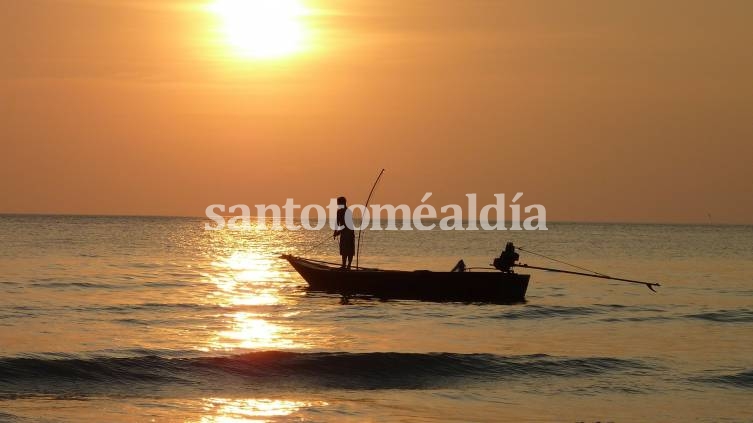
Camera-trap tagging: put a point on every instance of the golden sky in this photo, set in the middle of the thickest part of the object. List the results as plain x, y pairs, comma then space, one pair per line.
601, 110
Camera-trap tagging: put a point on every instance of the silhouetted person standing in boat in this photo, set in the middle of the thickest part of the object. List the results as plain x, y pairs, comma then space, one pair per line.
346, 233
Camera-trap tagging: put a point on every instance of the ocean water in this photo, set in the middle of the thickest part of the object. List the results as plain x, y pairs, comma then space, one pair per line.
134, 319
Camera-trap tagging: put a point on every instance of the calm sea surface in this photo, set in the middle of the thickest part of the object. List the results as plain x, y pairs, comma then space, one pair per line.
126, 319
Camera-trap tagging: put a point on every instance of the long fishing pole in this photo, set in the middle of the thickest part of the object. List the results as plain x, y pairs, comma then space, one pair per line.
559, 261
649, 285
365, 210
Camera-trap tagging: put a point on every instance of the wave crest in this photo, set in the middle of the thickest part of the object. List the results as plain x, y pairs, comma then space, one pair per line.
378, 370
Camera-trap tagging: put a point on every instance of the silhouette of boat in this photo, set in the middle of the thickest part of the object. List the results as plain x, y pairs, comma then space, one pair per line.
461, 284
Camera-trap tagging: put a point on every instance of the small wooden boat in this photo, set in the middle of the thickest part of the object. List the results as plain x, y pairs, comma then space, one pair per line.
502, 286
462, 284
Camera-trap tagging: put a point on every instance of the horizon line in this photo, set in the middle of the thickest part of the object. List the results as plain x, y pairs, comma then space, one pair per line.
167, 216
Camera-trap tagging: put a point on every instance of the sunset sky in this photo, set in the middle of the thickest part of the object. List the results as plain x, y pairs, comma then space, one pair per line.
601, 110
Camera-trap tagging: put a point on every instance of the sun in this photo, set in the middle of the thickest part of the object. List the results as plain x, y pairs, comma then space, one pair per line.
262, 29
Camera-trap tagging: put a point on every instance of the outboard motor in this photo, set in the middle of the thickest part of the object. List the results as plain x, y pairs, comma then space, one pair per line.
507, 259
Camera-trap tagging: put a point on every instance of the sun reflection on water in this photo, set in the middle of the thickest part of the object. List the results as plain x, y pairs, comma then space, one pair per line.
253, 289
252, 332
226, 410
248, 266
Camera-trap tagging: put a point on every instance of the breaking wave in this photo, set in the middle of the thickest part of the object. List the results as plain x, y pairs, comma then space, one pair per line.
337, 370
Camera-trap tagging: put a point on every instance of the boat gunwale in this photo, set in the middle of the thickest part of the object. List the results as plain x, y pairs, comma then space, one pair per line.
330, 266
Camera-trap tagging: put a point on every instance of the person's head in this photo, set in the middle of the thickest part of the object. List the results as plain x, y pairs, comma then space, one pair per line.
341, 202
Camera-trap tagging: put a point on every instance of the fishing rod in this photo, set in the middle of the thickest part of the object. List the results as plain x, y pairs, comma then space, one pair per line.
559, 261
365, 210
649, 285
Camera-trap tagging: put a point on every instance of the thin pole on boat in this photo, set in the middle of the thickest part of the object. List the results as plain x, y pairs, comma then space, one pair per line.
365, 210
649, 285
559, 261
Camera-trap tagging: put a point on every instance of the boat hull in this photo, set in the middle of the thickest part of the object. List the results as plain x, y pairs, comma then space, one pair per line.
494, 287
